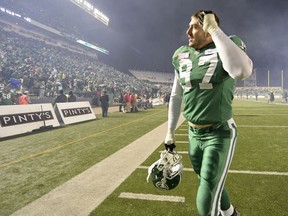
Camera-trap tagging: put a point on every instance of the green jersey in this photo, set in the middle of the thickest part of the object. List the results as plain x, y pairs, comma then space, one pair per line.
7, 98
207, 87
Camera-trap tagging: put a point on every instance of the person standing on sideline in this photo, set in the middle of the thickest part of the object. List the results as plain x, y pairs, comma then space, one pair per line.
24, 99
104, 99
127, 101
133, 100
167, 99
256, 95
284, 97
61, 98
121, 102
72, 97
206, 71
271, 97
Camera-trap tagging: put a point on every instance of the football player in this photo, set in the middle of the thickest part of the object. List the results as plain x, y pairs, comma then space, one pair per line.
206, 71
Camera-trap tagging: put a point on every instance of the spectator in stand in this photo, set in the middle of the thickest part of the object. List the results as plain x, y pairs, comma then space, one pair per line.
7, 97
72, 97
104, 99
24, 99
50, 68
42, 90
61, 98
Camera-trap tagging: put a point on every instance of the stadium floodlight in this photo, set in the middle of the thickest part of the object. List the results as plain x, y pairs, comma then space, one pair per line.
100, 49
92, 10
10, 12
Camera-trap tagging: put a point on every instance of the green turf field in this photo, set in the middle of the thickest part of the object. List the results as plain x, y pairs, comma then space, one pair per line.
33, 165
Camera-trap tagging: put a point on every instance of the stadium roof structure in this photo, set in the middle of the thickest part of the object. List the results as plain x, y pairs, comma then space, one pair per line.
152, 76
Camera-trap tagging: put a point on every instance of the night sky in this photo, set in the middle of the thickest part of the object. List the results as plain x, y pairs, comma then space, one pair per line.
143, 34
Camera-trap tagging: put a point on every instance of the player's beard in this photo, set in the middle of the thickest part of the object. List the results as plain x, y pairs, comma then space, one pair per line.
198, 41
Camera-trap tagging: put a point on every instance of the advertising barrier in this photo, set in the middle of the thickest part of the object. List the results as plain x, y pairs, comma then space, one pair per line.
73, 112
19, 119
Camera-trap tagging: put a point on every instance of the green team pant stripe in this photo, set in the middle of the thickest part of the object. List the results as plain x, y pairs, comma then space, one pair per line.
217, 197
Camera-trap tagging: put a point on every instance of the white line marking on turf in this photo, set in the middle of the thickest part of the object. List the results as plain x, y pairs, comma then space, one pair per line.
259, 172
152, 197
181, 142
239, 171
250, 172
182, 152
179, 152
263, 126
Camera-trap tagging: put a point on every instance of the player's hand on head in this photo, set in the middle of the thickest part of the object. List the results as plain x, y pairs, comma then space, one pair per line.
208, 22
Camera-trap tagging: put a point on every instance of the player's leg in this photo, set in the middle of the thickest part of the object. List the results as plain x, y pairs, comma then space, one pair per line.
211, 158
225, 200
196, 156
212, 178
225, 205
227, 209
195, 152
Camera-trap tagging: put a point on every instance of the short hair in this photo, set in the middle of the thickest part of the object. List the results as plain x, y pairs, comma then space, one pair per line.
197, 14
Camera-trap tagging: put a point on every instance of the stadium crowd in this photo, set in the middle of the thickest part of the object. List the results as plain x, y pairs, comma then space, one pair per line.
28, 64
34, 60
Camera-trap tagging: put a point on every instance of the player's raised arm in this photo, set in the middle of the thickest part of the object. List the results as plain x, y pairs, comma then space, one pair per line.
235, 60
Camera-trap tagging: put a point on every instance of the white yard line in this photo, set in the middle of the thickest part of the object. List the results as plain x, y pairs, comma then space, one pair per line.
152, 197
181, 142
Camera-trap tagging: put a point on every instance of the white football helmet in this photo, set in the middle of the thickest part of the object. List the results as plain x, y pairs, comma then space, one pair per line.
166, 172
